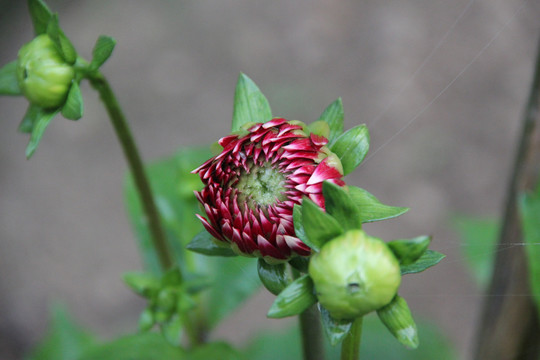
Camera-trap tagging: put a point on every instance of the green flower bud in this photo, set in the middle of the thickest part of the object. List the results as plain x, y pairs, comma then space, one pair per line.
43, 75
354, 274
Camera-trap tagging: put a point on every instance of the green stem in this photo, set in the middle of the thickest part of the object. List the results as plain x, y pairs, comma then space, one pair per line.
118, 120
350, 348
310, 329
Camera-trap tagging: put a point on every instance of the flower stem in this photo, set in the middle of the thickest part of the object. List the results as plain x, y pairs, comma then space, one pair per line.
350, 348
118, 120
310, 327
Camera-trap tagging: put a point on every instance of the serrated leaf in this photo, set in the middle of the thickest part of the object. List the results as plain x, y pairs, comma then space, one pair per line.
250, 105
102, 51
275, 278
338, 203
9, 85
352, 147
73, 108
397, 318
335, 330
428, 259
41, 120
372, 209
530, 214
333, 115
142, 346
407, 251
202, 243
143, 284
60, 40
294, 299
319, 226
40, 14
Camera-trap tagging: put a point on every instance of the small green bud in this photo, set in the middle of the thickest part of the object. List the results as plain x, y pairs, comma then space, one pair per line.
354, 274
43, 75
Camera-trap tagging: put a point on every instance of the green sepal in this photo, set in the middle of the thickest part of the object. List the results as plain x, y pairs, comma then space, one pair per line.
73, 108
300, 263
250, 105
102, 51
27, 123
143, 284
146, 320
173, 277
60, 40
40, 14
335, 330
172, 329
298, 224
338, 203
40, 120
352, 147
202, 243
333, 115
294, 299
9, 85
319, 226
407, 251
397, 318
371, 209
274, 277
428, 259
319, 127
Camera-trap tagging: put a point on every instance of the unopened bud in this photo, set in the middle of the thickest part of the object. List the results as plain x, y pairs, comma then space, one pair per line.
354, 274
43, 75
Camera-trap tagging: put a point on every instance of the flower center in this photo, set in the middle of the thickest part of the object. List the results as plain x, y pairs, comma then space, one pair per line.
261, 186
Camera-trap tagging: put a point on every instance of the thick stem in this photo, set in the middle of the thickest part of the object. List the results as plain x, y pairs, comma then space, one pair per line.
509, 326
350, 348
133, 158
311, 329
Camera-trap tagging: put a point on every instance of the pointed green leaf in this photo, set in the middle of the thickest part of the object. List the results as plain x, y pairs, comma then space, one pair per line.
250, 105
30, 117
143, 284
73, 107
275, 278
338, 203
8, 79
407, 251
335, 330
142, 346
102, 51
333, 115
146, 320
42, 118
64, 46
40, 14
530, 214
397, 318
65, 339
203, 243
172, 329
428, 259
298, 224
352, 147
370, 208
319, 226
294, 299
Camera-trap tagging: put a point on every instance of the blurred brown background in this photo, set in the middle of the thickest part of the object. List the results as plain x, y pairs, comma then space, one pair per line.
64, 235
